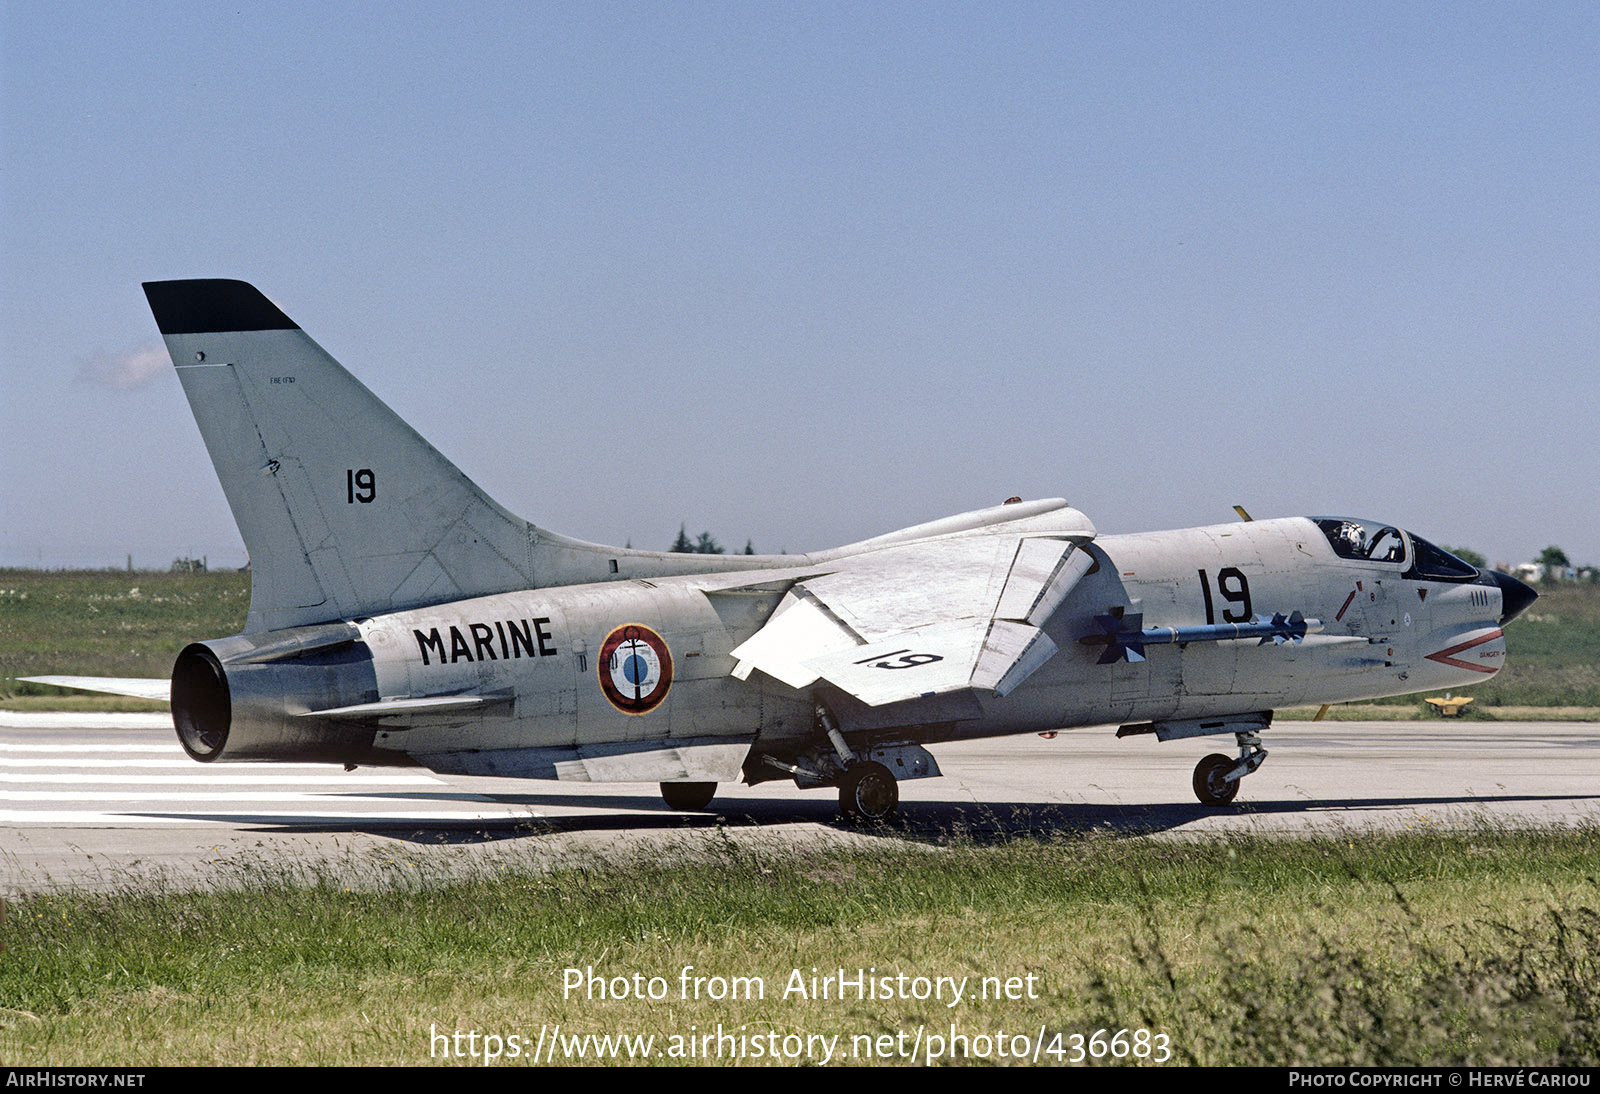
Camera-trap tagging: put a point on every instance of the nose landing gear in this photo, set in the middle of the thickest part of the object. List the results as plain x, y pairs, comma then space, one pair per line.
1216, 778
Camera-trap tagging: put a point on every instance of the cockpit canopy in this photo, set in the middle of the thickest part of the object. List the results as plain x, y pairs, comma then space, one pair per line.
1363, 540
1373, 541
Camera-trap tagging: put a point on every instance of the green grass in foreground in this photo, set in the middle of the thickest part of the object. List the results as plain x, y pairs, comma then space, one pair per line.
1419, 948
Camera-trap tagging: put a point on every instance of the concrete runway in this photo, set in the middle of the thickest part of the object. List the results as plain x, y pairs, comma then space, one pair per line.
110, 802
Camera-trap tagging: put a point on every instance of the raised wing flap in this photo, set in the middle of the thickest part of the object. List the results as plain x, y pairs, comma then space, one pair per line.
1045, 571
923, 619
1011, 652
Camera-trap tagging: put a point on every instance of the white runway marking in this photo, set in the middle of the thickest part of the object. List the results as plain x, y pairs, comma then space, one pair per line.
178, 761
69, 749
127, 771
150, 811
210, 779
17, 719
218, 816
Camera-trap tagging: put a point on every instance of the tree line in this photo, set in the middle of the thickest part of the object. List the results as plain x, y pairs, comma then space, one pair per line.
704, 544
1553, 561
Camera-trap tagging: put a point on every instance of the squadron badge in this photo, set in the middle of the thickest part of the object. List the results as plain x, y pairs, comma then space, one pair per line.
635, 668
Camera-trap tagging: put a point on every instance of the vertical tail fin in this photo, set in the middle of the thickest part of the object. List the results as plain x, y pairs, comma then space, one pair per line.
344, 508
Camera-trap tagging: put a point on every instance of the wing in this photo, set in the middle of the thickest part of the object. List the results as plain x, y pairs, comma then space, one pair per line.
928, 618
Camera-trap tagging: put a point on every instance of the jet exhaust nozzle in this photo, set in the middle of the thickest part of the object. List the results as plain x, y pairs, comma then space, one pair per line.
246, 697
202, 709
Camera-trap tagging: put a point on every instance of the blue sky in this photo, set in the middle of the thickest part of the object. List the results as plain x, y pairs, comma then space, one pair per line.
804, 273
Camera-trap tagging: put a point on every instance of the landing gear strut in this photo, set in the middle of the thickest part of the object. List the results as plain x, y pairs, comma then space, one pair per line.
1216, 778
869, 793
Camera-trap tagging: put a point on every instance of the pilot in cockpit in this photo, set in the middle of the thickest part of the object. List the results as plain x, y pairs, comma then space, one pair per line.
1353, 538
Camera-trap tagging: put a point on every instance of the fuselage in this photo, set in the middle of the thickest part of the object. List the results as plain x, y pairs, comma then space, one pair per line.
540, 664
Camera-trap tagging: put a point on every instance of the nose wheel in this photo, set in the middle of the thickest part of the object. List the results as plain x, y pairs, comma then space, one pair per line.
1211, 783
1216, 778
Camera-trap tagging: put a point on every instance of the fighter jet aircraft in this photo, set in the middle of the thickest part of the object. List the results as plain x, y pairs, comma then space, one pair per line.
398, 614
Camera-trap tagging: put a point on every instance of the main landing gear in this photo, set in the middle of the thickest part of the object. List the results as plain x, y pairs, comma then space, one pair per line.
868, 793
867, 776
688, 797
1216, 778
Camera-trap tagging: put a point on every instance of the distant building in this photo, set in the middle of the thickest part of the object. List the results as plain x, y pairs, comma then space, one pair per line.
1535, 572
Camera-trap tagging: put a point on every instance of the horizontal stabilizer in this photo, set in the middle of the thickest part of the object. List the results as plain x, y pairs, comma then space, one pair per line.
160, 690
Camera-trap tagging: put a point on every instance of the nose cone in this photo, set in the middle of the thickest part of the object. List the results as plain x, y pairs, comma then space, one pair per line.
1514, 596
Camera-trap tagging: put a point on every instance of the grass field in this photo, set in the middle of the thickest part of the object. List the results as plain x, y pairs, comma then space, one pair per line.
1481, 947
1553, 654
111, 623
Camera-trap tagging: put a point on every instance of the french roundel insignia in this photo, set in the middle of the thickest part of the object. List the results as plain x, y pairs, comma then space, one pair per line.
635, 668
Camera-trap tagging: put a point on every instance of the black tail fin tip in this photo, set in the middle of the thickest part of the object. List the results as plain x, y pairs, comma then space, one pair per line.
212, 305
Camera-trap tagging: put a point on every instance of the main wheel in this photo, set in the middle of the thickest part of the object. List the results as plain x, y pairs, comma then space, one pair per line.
688, 797
1210, 786
868, 794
